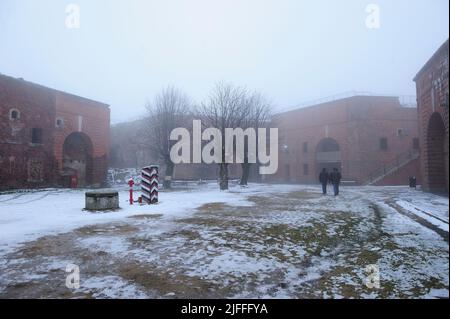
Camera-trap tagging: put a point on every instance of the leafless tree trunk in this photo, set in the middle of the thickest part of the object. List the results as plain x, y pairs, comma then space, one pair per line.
225, 108
167, 111
258, 116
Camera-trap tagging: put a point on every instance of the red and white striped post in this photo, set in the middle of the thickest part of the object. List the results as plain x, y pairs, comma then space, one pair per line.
149, 184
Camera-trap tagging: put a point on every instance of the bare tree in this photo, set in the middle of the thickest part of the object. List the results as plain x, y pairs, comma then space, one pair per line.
258, 116
225, 108
167, 111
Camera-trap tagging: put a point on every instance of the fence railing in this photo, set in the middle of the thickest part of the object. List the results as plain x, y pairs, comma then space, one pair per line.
392, 166
405, 100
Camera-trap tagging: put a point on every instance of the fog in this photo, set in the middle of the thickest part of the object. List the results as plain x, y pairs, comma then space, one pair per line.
124, 52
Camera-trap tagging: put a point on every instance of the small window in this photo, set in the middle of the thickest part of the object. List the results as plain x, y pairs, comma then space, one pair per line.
305, 169
416, 143
402, 132
14, 114
305, 147
36, 136
59, 123
383, 143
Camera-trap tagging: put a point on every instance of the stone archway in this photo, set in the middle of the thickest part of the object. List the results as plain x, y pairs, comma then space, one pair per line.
77, 158
436, 162
328, 155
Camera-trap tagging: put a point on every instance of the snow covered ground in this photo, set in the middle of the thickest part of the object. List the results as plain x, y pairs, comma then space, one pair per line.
264, 241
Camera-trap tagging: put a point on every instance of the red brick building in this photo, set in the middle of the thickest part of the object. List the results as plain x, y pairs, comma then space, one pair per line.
48, 136
371, 139
433, 104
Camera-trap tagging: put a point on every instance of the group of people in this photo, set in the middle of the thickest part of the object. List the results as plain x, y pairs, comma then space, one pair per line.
333, 178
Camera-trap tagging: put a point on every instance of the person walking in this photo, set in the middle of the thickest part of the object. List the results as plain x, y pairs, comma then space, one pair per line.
336, 177
323, 179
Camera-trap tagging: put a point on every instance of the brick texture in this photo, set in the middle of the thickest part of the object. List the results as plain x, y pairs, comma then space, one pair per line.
357, 124
27, 165
432, 98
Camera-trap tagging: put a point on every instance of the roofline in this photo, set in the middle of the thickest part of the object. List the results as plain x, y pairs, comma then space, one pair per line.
438, 51
21, 80
337, 100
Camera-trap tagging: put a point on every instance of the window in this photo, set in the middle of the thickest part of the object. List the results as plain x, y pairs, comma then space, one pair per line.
36, 136
59, 123
305, 169
305, 147
402, 132
416, 143
14, 114
383, 143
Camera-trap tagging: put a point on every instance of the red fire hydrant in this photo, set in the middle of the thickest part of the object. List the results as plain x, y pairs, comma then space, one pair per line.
73, 181
131, 183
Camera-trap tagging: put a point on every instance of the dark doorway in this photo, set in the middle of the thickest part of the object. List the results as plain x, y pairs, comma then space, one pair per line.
328, 155
77, 158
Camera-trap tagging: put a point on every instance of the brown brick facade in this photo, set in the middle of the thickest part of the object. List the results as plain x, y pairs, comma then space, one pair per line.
35, 125
346, 134
432, 98
356, 125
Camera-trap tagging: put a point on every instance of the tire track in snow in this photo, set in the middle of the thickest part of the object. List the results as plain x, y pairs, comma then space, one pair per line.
416, 218
8, 201
12, 198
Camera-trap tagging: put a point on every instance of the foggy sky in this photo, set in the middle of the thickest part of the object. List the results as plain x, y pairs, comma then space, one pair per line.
291, 50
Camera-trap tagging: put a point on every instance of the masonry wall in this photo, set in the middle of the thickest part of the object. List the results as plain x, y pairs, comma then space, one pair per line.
369, 120
89, 118
356, 124
309, 125
432, 97
401, 177
24, 164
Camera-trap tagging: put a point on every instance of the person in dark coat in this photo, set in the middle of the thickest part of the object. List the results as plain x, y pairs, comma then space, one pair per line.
323, 179
335, 177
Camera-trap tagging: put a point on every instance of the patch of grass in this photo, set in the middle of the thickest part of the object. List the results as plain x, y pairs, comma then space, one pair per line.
120, 229
221, 210
142, 242
211, 222
427, 284
164, 282
390, 246
213, 207
189, 234
303, 195
146, 216
312, 238
44, 246
367, 257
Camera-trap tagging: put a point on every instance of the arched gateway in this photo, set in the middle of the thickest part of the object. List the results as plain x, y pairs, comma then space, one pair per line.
328, 155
